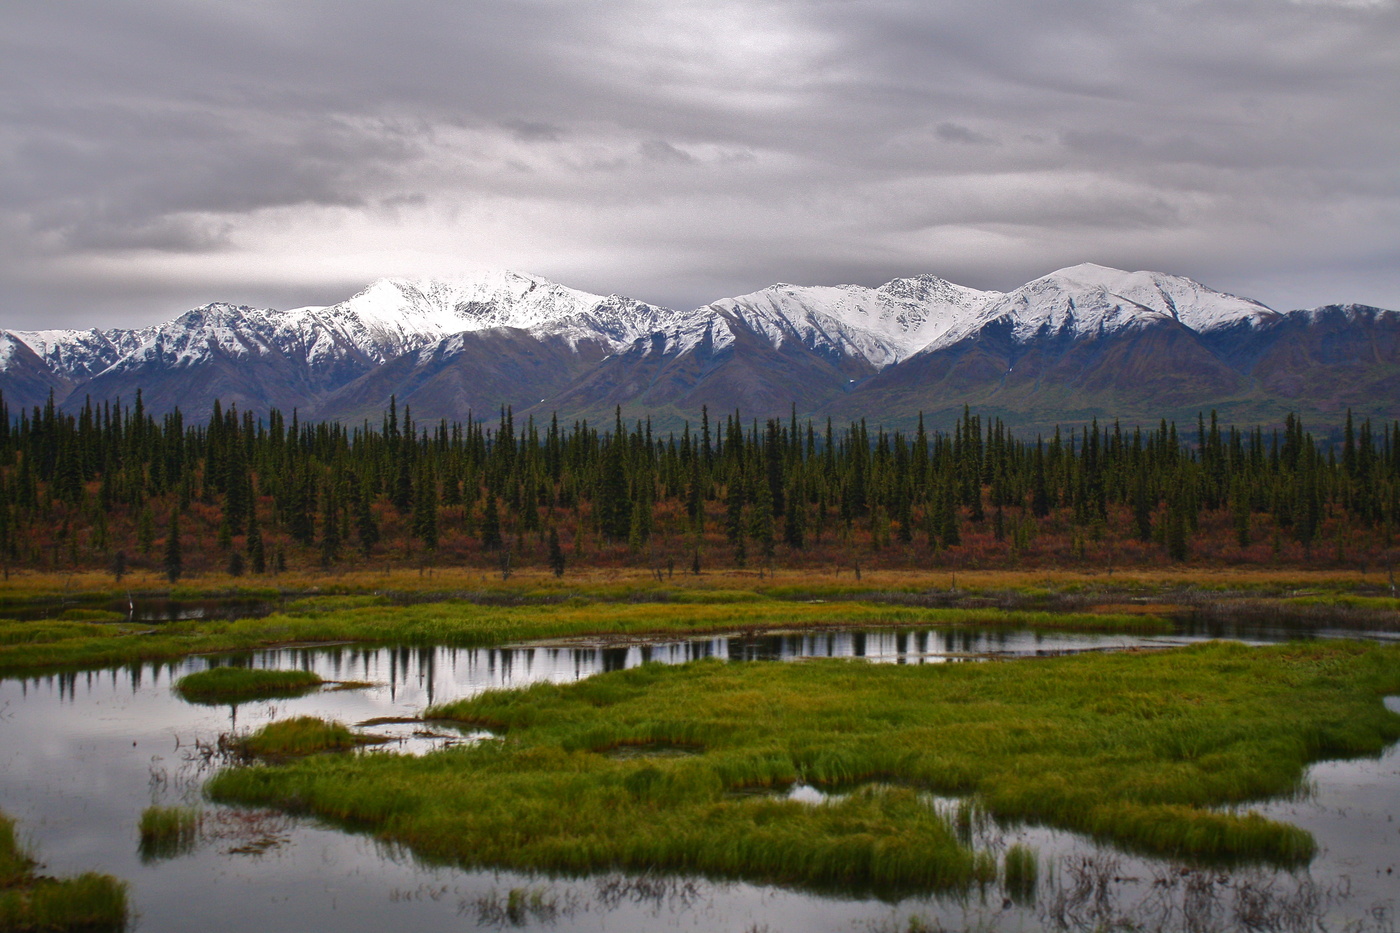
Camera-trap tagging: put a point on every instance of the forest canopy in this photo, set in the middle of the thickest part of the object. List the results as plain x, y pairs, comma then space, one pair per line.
113, 487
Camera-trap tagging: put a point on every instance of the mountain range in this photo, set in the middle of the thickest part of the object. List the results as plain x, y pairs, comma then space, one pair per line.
1082, 342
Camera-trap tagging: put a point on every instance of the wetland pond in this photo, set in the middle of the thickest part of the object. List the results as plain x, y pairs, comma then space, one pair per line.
83, 754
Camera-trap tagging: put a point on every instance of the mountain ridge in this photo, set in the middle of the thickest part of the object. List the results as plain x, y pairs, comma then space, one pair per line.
1093, 336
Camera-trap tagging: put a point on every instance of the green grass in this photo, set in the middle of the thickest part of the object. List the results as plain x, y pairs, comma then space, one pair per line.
474, 624
48, 632
1346, 600
1020, 870
303, 735
169, 831
92, 615
220, 685
1141, 750
31, 902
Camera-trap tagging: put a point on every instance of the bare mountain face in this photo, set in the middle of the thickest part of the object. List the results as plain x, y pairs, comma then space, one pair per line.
1086, 341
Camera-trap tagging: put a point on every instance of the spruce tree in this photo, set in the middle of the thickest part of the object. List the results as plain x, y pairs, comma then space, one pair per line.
366, 528
330, 526
257, 558
949, 533
795, 519
761, 519
1240, 509
425, 509
734, 511
639, 529
556, 553
172, 563
490, 525
146, 530
614, 505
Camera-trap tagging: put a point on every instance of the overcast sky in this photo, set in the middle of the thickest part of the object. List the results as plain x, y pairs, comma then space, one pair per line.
155, 156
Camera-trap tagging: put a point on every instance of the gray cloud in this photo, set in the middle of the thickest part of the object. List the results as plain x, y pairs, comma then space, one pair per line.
957, 133
658, 150
154, 153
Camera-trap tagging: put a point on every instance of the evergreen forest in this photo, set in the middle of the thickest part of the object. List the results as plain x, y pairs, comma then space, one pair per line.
114, 488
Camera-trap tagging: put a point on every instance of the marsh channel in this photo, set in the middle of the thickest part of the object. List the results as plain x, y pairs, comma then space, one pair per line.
82, 754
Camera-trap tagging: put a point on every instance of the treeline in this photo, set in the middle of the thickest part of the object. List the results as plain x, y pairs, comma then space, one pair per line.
112, 486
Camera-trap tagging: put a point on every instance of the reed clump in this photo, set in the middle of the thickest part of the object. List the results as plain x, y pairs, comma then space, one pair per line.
169, 831
1145, 750
220, 685
32, 902
1020, 872
303, 735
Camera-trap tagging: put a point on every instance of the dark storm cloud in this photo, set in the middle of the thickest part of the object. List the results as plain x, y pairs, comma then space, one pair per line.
284, 153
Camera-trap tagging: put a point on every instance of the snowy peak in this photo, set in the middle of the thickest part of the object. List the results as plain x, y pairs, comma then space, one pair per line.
77, 354
1090, 300
9, 346
1350, 313
305, 356
1100, 297
396, 316
881, 325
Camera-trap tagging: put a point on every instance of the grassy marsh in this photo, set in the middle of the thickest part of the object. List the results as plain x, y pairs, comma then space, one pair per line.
1142, 750
33, 902
369, 619
464, 608
220, 685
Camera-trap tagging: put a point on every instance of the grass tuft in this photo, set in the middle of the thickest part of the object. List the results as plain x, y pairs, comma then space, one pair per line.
220, 685
1020, 870
31, 902
304, 735
169, 831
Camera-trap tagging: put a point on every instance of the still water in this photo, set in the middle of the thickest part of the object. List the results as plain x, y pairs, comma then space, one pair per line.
81, 755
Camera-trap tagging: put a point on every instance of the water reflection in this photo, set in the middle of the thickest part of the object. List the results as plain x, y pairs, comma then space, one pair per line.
82, 754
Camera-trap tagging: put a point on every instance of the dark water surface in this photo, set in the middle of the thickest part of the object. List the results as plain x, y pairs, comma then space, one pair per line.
82, 754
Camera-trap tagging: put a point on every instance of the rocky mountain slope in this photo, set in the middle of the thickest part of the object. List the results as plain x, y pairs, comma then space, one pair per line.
1086, 341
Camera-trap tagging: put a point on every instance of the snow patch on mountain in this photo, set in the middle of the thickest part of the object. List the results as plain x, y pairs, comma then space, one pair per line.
389, 318
7, 349
77, 354
881, 325
202, 333
1090, 300
1350, 312
395, 316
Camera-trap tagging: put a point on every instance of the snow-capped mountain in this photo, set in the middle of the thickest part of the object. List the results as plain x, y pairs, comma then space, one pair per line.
397, 316
78, 354
1091, 300
1082, 338
880, 325
886, 325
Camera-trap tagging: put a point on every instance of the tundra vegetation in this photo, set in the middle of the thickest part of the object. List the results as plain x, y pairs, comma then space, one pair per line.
1159, 752
33, 902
